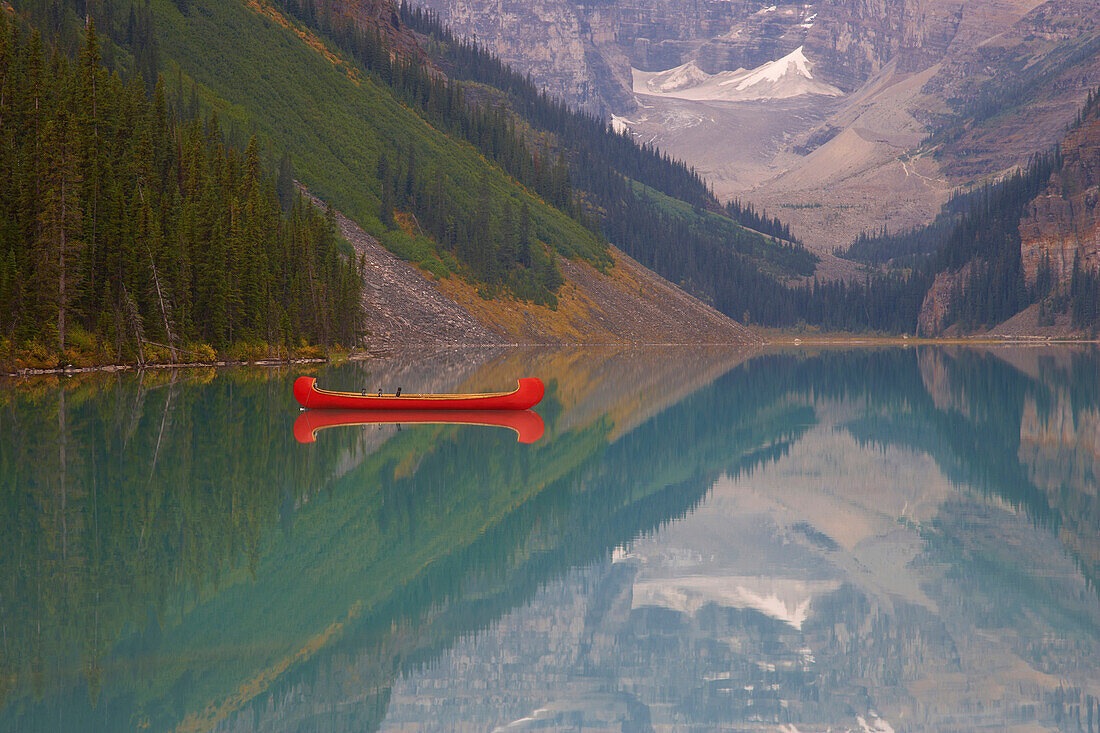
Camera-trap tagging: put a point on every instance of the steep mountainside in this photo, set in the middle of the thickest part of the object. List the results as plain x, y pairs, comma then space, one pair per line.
1014, 93
346, 96
628, 304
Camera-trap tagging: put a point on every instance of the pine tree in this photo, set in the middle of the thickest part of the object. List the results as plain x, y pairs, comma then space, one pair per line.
59, 239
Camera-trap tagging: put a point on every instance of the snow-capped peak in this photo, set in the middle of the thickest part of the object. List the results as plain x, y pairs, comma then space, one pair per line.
790, 76
794, 64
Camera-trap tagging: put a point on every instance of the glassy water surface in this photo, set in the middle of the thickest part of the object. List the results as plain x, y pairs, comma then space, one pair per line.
871, 540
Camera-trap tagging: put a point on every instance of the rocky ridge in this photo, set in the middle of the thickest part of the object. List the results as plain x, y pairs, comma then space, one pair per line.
1062, 226
939, 299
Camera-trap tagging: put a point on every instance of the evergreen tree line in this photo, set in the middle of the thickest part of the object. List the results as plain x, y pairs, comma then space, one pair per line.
728, 272
898, 249
747, 215
981, 228
123, 226
1084, 297
909, 248
128, 23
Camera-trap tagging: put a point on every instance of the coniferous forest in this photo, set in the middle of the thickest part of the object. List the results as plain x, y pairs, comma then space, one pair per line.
129, 232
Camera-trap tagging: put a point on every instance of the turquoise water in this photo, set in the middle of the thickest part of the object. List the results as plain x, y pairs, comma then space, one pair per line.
893, 539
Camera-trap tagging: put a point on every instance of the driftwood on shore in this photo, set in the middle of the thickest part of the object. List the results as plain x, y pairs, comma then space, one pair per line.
69, 369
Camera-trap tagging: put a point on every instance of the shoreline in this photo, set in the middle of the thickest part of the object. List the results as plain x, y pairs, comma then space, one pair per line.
853, 340
768, 342
114, 368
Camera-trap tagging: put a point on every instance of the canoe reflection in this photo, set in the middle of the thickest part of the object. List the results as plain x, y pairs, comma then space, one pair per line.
528, 425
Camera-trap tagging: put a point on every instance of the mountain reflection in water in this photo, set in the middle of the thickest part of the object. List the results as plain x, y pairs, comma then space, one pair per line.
859, 539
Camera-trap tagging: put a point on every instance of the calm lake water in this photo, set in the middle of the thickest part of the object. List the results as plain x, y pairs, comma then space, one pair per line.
870, 540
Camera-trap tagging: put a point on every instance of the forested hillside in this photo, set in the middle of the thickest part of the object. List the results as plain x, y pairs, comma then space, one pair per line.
128, 231
343, 129
424, 149
656, 209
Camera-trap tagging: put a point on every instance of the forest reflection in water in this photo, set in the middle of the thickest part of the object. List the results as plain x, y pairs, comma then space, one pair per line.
895, 537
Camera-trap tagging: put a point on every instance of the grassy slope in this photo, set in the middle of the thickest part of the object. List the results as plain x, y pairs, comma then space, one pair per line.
334, 126
778, 260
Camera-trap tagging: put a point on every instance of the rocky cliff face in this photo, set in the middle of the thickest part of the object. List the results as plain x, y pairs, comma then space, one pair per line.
855, 40
1017, 88
582, 51
1062, 225
938, 300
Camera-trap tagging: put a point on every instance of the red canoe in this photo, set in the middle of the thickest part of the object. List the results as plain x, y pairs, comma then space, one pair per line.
527, 395
528, 425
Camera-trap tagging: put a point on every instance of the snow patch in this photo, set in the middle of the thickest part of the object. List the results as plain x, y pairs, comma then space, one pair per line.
620, 124
790, 76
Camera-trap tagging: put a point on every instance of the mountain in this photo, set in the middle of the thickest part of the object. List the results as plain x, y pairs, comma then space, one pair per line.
477, 207
519, 218
937, 94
